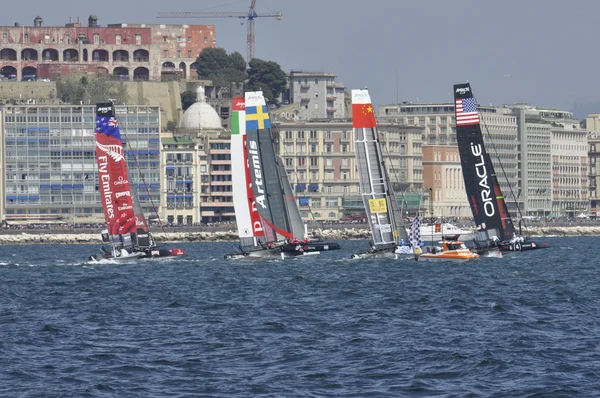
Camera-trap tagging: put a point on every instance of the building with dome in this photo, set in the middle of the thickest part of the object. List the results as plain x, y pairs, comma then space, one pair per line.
197, 172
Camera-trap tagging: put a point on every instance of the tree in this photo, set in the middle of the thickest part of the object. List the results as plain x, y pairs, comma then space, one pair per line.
187, 99
222, 69
268, 77
77, 88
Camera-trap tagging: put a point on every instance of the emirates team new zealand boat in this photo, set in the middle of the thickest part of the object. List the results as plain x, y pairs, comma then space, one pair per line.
127, 233
384, 216
267, 216
495, 227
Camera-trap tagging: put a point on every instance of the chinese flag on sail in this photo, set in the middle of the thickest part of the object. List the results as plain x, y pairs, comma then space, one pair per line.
363, 116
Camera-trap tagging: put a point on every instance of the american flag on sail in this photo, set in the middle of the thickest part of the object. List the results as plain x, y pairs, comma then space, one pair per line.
466, 112
415, 232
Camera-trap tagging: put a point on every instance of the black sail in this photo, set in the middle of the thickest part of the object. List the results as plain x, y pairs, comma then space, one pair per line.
481, 184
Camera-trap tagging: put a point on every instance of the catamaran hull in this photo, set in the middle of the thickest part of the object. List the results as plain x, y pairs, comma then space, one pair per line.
523, 246
150, 253
286, 251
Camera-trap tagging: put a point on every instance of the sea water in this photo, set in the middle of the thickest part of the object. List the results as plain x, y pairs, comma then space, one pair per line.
322, 326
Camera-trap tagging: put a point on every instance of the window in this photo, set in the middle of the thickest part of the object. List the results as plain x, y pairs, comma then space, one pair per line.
328, 148
344, 148
189, 39
26, 38
118, 39
314, 161
329, 162
166, 53
96, 38
178, 53
289, 135
331, 203
179, 39
138, 39
189, 53
165, 39
301, 134
4, 37
205, 39
289, 162
313, 148
68, 39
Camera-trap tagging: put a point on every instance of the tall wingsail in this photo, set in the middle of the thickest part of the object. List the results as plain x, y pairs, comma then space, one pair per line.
112, 170
269, 195
296, 223
483, 191
374, 184
246, 214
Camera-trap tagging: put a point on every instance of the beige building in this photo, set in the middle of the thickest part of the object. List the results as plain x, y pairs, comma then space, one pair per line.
198, 167
320, 162
442, 176
592, 125
2, 171
570, 195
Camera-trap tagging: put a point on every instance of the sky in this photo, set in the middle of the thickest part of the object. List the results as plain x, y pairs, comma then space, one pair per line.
542, 52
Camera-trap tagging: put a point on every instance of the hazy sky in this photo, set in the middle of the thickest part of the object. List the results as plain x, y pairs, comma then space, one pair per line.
545, 52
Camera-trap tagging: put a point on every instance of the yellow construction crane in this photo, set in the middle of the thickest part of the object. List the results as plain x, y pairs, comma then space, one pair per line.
250, 16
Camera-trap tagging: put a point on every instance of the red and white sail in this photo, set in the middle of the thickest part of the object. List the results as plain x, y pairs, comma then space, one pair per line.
112, 172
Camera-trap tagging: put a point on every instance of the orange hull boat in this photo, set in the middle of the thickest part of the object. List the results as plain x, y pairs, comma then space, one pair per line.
450, 251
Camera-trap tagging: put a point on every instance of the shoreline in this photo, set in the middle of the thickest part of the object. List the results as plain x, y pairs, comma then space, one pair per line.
20, 237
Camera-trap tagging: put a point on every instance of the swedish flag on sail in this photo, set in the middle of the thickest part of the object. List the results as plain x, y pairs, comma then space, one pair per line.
257, 118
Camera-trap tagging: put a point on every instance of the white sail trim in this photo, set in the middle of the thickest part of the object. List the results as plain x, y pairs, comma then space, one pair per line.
113, 151
361, 97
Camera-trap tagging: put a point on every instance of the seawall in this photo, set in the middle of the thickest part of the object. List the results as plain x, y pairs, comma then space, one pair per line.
17, 237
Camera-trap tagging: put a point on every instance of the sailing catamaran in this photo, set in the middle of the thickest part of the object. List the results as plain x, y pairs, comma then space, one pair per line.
127, 230
267, 216
495, 228
383, 214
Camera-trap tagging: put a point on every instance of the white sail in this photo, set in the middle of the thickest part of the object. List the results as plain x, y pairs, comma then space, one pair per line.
238, 178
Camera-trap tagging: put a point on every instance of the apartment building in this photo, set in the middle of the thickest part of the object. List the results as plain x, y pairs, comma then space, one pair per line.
442, 175
127, 51
318, 94
499, 129
320, 162
592, 126
50, 162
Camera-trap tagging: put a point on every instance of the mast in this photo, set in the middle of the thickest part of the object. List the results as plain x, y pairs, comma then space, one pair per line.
481, 184
115, 191
246, 214
268, 191
374, 184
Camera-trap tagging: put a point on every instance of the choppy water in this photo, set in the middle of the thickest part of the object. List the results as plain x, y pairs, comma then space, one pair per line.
526, 325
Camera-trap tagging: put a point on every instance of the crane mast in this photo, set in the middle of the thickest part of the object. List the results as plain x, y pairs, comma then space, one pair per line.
250, 16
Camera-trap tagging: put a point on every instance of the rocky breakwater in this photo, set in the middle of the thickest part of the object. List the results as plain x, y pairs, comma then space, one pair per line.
18, 237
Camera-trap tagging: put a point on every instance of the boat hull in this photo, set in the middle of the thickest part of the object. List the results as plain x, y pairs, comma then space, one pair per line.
523, 246
287, 250
458, 257
149, 253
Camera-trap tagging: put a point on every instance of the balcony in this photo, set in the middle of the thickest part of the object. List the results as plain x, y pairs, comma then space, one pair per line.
331, 98
331, 110
304, 85
330, 84
314, 167
304, 100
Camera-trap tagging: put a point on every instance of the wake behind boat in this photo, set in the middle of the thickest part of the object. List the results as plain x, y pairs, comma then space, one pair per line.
267, 216
495, 229
127, 235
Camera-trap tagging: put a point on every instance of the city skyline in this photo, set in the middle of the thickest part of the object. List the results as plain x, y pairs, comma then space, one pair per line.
520, 52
